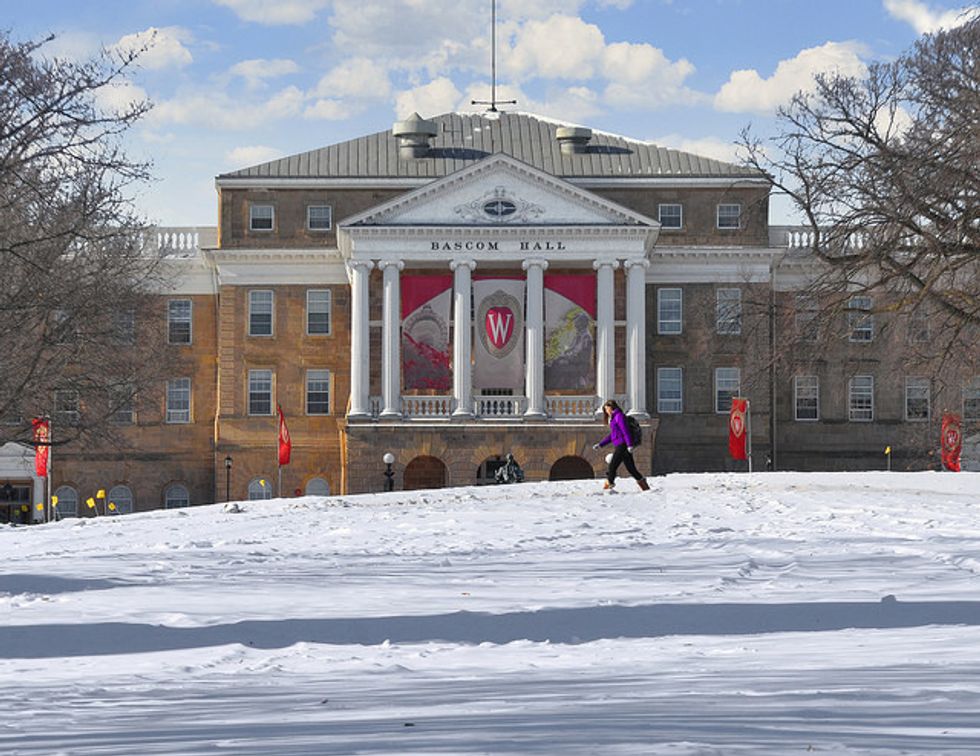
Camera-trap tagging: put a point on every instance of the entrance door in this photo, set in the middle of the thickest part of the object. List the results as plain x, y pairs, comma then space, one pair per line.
425, 472
14, 496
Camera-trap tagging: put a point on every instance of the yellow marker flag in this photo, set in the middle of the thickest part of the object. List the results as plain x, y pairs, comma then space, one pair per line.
91, 502
24, 507
100, 494
40, 507
112, 506
262, 483
888, 450
54, 501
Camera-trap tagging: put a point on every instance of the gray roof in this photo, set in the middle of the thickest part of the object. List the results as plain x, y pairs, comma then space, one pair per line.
466, 138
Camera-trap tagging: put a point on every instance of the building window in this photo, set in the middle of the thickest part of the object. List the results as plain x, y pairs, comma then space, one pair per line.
729, 216
317, 487
861, 399
66, 406
971, 400
260, 312
260, 392
670, 390
318, 312
121, 405
806, 397
259, 489
179, 321
67, 504
916, 399
860, 320
807, 312
63, 329
176, 496
261, 217
318, 217
179, 400
120, 500
670, 309
919, 330
728, 311
727, 386
670, 215
317, 392
124, 326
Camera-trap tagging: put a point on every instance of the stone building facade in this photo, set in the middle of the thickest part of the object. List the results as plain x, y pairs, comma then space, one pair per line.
295, 300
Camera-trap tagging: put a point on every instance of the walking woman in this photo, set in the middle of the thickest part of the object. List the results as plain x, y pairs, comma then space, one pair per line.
619, 437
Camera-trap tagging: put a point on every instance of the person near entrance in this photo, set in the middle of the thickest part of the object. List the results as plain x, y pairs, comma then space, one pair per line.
622, 440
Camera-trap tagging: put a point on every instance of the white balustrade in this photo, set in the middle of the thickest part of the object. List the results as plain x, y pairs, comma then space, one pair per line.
427, 406
499, 406
571, 407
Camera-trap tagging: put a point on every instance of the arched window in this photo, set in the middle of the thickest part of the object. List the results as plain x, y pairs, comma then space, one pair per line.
259, 488
122, 497
176, 496
317, 487
67, 505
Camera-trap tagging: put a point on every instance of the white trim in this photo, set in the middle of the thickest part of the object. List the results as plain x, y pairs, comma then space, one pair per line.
306, 392
661, 205
272, 314
718, 208
850, 398
388, 182
251, 218
660, 320
190, 322
272, 392
329, 224
329, 331
660, 409
928, 387
796, 398
738, 387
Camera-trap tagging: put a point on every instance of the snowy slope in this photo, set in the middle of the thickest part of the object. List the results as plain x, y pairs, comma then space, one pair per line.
766, 614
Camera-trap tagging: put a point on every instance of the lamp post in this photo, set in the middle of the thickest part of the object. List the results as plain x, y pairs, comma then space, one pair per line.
389, 460
227, 478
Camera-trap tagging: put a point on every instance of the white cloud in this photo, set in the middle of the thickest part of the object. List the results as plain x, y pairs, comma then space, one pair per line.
924, 19
255, 72
119, 96
218, 110
275, 12
157, 48
709, 147
327, 109
746, 91
560, 47
359, 78
72, 45
641, 76
252, 155
438, 96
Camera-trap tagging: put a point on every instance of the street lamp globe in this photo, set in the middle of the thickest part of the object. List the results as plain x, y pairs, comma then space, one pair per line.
388, 458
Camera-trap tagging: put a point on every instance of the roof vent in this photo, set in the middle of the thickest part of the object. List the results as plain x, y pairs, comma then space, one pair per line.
413, 136
572, 139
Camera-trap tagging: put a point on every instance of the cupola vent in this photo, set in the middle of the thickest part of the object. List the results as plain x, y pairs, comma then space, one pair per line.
572, 139
413, 135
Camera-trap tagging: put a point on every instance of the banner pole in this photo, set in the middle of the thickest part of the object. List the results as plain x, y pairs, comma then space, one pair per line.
48, 513
748, 430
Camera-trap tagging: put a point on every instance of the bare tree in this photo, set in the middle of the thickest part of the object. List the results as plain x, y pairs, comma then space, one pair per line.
885, 171
74, 271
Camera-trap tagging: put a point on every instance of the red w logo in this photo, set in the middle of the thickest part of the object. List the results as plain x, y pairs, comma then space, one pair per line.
499, 325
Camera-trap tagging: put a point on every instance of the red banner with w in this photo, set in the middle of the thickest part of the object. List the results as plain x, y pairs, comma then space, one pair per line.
42, 437
736, 428
952, 441
285, 443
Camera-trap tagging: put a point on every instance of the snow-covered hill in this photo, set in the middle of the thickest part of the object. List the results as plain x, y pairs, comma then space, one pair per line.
716, 614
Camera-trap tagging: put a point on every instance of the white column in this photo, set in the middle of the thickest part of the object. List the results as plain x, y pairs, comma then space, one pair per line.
605, 331
636, 380
360, 338
534, 339
391, 373
462, 338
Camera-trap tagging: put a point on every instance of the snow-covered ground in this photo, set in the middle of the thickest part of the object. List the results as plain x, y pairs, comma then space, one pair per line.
717, 614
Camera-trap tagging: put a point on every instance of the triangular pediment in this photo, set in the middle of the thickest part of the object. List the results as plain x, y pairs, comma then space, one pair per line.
499, 191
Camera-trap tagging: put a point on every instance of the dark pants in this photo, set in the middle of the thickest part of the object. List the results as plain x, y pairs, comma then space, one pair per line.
621, 455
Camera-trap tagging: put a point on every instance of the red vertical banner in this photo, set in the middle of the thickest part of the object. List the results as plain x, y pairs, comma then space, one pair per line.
42, 437
952, 441
736, 428
426, 307
285, 443
569, 331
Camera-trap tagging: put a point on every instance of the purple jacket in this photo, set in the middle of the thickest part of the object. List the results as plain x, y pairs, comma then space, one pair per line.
619, 432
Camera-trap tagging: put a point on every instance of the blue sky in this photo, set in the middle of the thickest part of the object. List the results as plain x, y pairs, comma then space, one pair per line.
238, 82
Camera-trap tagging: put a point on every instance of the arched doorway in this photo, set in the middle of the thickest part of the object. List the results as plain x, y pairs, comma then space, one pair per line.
424, 472
571, 468
486, 472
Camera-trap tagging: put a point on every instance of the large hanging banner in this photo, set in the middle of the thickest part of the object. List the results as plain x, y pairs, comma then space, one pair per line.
498, 343
426, 306
569, 331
